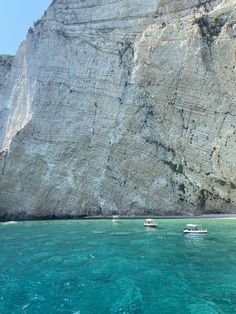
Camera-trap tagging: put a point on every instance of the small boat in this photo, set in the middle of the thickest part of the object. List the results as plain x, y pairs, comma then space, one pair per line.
190, 228
150, 223
115, 218
12, 222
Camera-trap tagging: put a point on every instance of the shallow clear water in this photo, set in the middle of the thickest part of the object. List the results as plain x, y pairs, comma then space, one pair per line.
96, 266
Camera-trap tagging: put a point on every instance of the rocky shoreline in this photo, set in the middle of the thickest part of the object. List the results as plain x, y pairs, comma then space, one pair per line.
211, 216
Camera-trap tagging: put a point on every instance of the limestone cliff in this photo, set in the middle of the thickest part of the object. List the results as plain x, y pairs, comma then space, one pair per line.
123, 107
5, 66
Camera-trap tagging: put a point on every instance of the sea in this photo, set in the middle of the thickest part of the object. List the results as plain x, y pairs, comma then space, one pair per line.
98, 266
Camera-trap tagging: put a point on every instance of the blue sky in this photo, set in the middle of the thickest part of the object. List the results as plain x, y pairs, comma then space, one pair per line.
16, 16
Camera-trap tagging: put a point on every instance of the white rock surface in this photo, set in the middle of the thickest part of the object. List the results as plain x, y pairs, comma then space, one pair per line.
121, 107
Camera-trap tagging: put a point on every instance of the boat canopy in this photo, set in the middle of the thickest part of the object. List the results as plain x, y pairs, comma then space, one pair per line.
191, 225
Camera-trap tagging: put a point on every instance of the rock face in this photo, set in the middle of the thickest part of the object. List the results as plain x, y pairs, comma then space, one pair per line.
122, 107
5, 66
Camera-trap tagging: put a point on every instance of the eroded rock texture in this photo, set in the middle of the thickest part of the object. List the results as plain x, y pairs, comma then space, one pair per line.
5, 66
122, 107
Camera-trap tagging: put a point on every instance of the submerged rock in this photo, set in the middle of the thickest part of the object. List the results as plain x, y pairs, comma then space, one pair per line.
121, 107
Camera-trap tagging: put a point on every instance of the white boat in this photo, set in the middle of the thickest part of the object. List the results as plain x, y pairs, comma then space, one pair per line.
191, 228
150, 223
115, 218
12, 222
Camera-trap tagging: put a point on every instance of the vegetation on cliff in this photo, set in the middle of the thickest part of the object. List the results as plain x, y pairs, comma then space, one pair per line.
6, 60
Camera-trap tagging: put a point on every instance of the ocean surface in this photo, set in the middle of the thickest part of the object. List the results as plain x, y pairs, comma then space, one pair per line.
96, 266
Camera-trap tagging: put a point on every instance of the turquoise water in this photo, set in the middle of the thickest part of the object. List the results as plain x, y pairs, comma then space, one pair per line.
96, 266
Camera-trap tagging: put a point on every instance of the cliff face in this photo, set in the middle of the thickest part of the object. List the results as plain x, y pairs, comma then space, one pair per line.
5, 66
121, 106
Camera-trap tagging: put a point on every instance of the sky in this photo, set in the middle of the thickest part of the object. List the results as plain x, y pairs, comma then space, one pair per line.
16, 17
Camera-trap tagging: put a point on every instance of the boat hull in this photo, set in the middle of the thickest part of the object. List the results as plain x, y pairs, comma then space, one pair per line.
195, 231
150, 226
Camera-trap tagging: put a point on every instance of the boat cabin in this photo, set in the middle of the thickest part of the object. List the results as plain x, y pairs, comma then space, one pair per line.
115, 218
192, 228
150, 223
